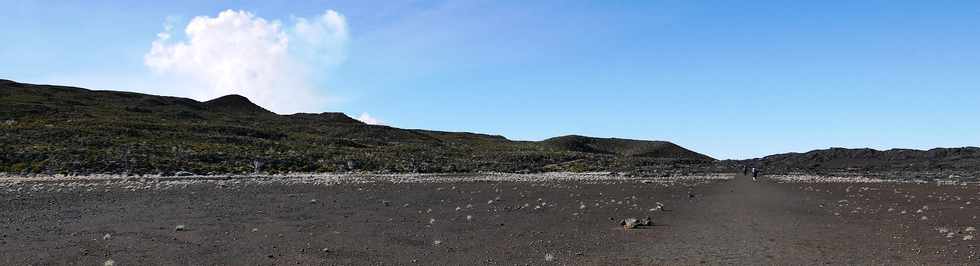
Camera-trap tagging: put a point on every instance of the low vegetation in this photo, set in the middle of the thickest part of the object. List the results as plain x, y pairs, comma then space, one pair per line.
961, 164
65, 130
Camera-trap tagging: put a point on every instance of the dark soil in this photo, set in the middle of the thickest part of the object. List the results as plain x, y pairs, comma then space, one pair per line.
738, 221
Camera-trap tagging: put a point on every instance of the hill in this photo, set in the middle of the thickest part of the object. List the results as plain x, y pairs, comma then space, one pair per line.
938, 162
67, 130
236, 104
623, 147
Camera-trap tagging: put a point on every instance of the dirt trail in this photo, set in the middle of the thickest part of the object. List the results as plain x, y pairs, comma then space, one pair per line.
747, 222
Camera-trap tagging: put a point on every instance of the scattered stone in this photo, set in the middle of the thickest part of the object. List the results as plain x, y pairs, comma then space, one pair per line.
106, 237
109, 262
549, 257
968, 237
255, 230
180, 227
437, 242
631, 223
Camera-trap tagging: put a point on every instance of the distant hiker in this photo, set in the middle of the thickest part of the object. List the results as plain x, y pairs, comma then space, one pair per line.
755, 174
745, 170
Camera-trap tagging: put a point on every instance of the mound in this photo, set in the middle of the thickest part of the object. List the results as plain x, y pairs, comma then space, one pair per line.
333, 118
623, 147
235, 103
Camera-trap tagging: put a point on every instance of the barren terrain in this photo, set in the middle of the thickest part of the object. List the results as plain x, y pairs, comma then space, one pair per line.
483, 219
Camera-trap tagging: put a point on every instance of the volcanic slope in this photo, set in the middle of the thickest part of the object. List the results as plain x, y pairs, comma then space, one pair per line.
938, 162
67, 130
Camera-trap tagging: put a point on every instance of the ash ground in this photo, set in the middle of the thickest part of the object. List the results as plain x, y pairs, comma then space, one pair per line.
574, 222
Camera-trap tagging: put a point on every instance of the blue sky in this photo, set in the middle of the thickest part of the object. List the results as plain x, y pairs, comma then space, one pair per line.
730, 79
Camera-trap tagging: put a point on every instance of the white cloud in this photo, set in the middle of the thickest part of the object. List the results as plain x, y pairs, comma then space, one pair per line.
238, 52
368, 119
323, 39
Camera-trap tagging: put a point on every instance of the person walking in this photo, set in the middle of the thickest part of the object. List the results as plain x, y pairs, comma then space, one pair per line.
755, 174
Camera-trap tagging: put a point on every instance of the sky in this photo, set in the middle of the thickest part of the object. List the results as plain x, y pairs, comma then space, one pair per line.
730, 79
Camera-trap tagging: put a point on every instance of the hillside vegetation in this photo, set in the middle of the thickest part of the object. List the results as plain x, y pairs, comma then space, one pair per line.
67, 130
895, 163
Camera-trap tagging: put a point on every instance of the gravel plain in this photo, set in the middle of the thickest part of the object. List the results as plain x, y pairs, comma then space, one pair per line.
439, 219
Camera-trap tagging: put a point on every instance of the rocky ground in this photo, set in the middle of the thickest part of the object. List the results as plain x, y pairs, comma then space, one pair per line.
483, 219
